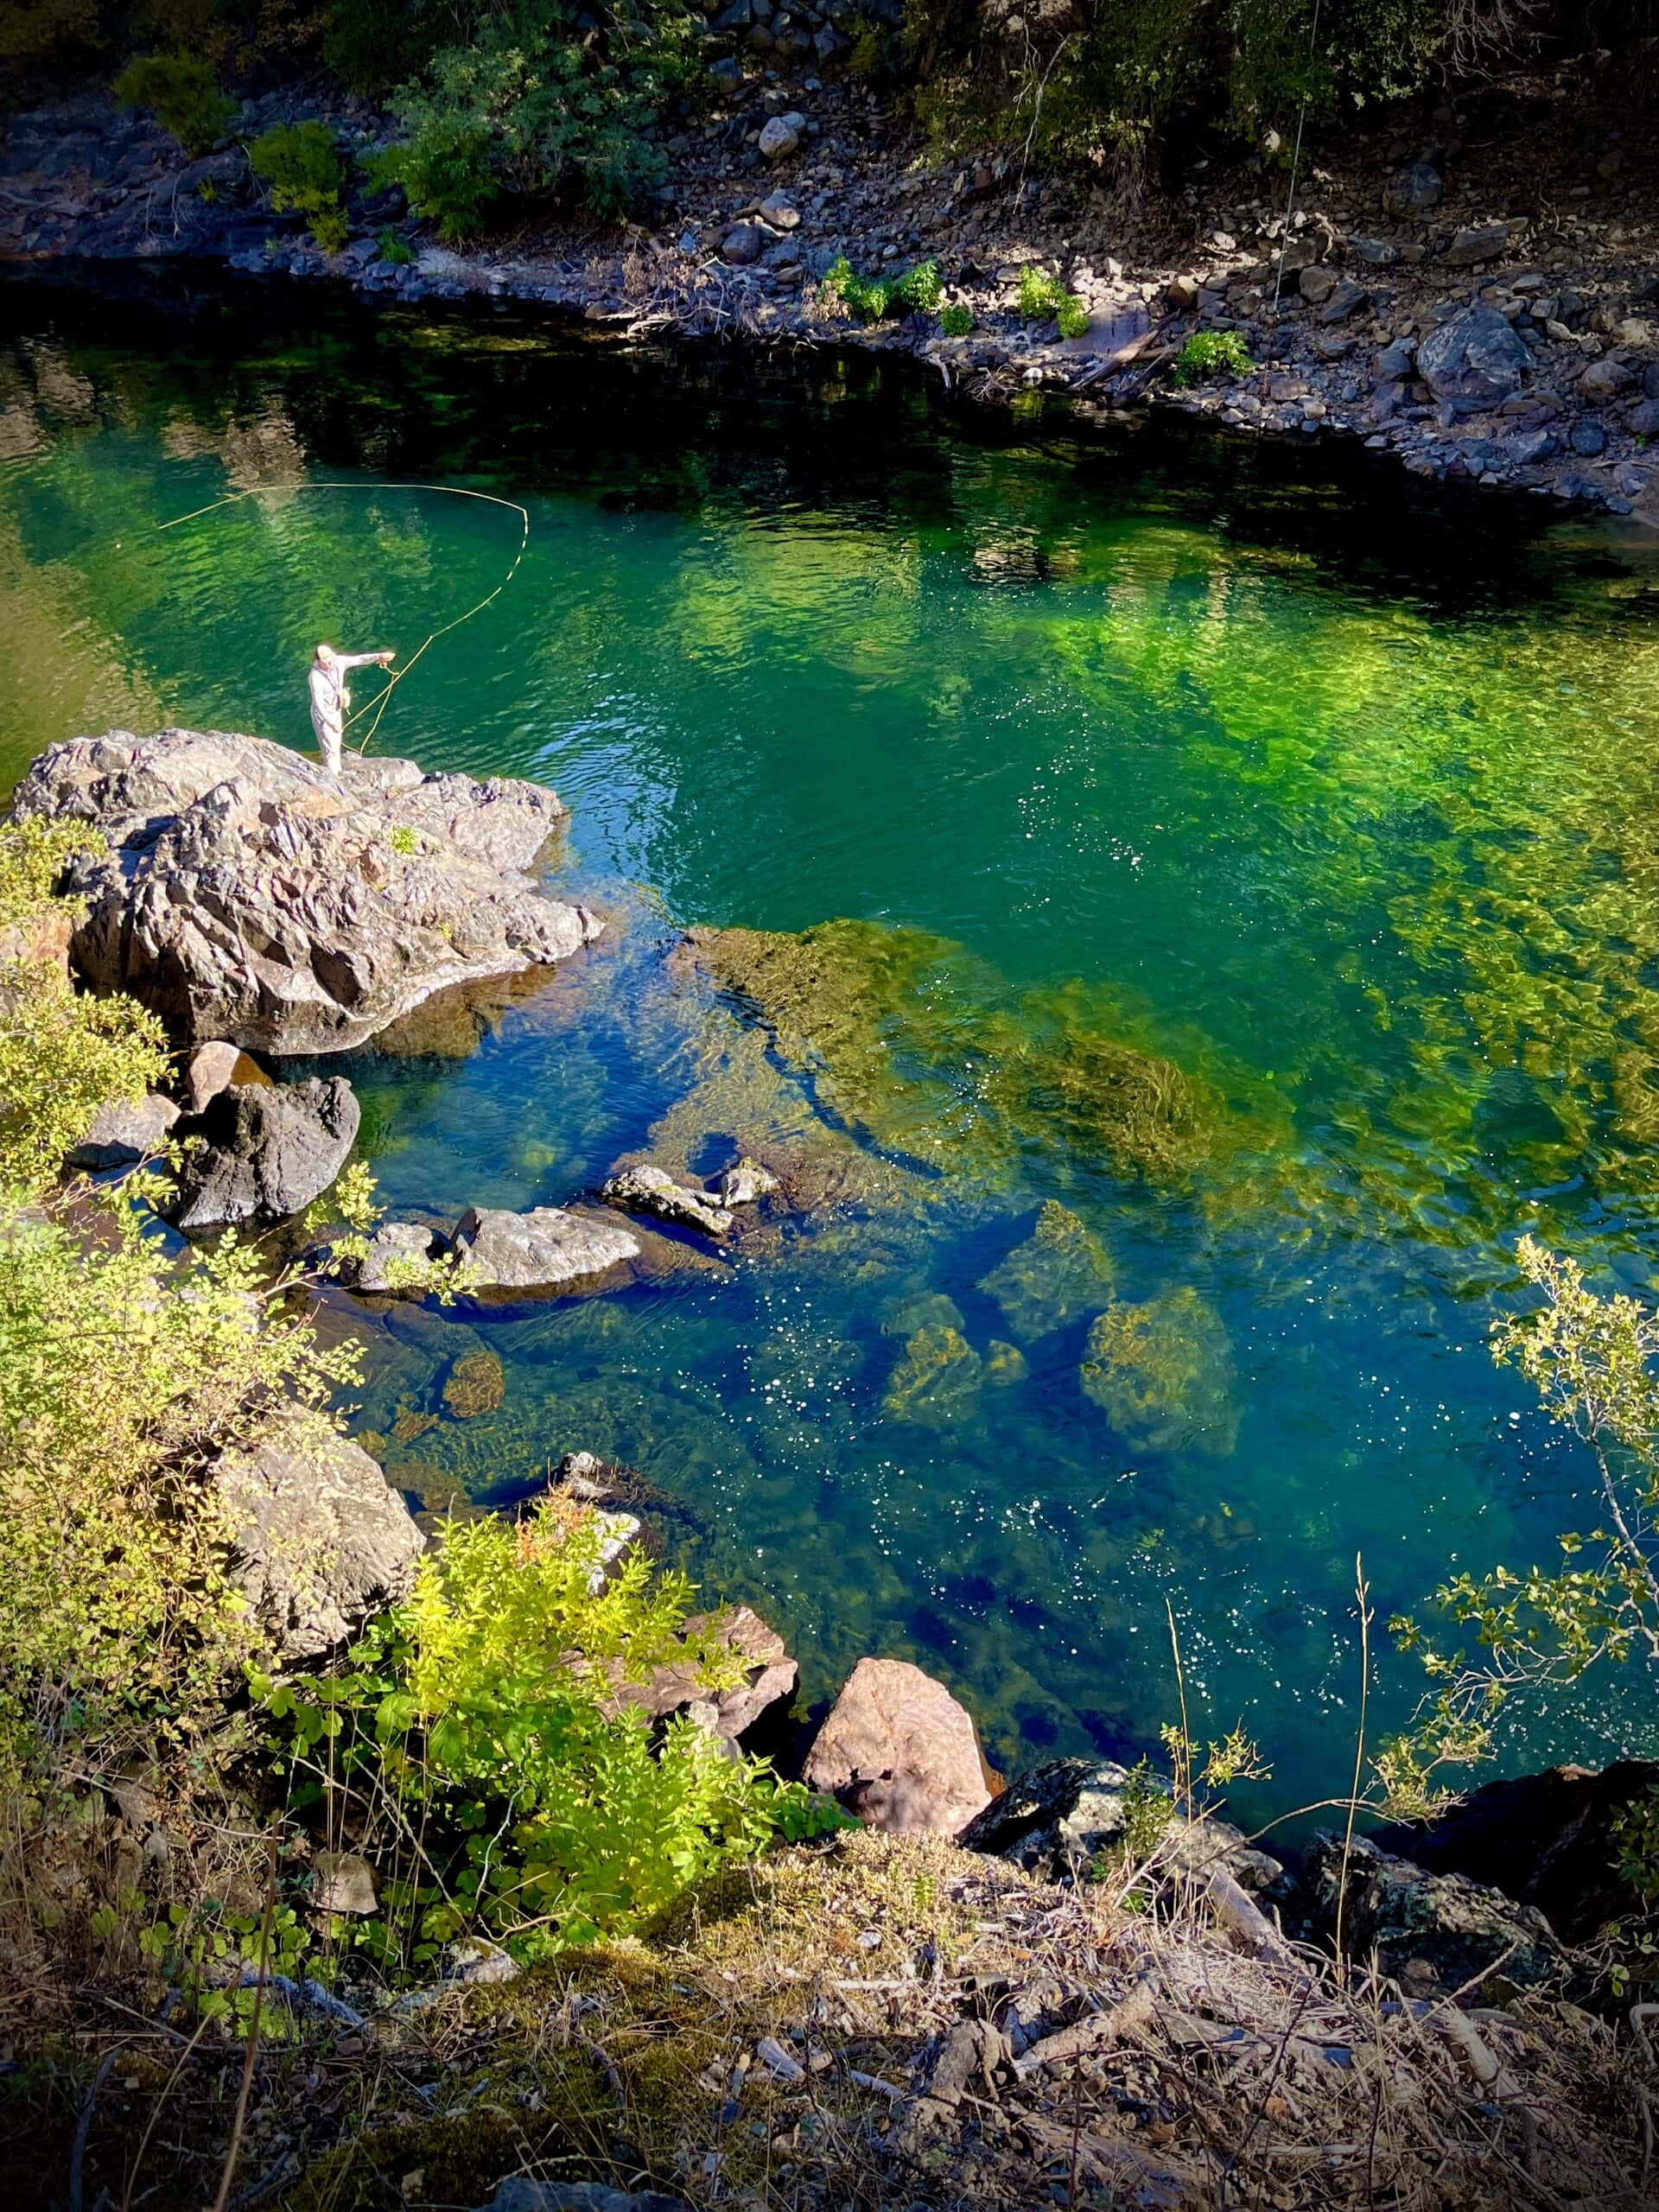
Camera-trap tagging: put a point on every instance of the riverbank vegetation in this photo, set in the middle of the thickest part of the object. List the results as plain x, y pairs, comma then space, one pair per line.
548, 99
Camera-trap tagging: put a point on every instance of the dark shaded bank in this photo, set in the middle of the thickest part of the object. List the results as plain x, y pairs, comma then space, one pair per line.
657, 424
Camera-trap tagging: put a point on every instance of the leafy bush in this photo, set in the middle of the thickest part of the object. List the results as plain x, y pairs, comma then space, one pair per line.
183, 95
539, 100
1042, 295
301, 164
397, 254
1211, 354
61, 1056
957, 322
872, 299
484, 1715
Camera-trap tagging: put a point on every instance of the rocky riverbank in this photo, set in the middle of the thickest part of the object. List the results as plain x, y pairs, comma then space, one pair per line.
1472, 288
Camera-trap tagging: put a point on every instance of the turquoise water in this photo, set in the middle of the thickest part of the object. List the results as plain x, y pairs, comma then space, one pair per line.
1131, 751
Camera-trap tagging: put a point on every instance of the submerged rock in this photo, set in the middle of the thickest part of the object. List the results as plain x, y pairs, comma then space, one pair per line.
394, 1248
248, 896
652, 1190
319, 1541
263, 1152
1162, 1373
1061, 1273
900, 1753
475, 1384
937, 1382
546, 1249
744, 1184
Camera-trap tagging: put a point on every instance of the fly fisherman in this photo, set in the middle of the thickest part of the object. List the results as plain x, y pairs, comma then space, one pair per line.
331, 702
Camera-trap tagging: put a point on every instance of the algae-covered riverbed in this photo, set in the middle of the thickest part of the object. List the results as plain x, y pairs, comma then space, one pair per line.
1196, 908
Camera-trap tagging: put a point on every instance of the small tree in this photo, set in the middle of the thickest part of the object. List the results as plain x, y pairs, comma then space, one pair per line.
1592, 1361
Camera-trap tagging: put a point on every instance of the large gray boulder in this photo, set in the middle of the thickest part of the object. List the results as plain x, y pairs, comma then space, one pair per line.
263, 1152
319, 1541
1474, 358
900, 1753
248, 895
124, 1132
544, 1250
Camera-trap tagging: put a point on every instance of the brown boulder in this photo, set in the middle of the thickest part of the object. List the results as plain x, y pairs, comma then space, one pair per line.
900, 1753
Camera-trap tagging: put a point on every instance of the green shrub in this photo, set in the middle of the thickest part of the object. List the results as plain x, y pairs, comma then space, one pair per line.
957, 322
301, 164
1042, 296
874, 299
182, 94
484, 1715
1212, 353
397, 254
536, 100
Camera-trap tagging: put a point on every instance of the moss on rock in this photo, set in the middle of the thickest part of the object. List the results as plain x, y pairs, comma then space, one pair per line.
475, 1384
936, 1382
1059, 1274
1162, 1372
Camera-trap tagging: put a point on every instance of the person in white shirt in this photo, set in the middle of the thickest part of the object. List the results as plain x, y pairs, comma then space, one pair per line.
331, 702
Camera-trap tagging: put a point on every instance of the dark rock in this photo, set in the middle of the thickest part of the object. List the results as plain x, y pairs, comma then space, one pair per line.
898, 1751
263, 1152
519, 2193
1057, 1818
1346, 300
1432, 1932
249, 896
1473, 357
1528, 447
1469, 248
1546, 1840
319, 1541
1606, 378
1414, 191
1394, 360
125, 1132
1317, 283
1642, 420
1587, 438
743, 244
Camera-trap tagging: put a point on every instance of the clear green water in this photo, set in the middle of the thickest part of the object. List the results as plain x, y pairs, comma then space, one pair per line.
1347, 806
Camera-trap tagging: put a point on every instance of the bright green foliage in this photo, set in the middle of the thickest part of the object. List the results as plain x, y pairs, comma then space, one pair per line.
300, 163
1042, 295
184, 96
1592, 1361
397, 254
486, 1714
1212, 352
956, 322
122, 1376
532, 101
874, 299
61, 1056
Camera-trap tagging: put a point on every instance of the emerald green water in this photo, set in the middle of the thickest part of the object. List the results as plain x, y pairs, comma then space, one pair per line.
1343, 803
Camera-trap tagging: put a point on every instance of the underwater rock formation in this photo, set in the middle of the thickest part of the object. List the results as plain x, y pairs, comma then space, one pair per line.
1162, 1373
1061, 1273
652, 1190
475, 1384
937, 1382
246, 895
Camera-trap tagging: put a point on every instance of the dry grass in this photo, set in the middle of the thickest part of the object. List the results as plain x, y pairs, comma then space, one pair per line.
953, 2034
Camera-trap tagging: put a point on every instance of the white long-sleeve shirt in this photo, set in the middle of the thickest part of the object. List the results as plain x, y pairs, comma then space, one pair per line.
330, 702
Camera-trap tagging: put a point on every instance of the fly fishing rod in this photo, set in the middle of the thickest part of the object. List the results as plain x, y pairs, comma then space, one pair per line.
377, 704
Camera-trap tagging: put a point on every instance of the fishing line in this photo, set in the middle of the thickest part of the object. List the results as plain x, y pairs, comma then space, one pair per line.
377, 704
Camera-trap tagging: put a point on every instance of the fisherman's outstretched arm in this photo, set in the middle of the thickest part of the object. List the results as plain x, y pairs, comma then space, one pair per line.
365, 660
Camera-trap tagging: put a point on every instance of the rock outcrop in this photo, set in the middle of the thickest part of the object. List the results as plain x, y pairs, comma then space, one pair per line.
319, 1541
652, 1190
247, 896
263, 1152
1545, 1839
769, 1674
1056, 1820
544, 1250
124, 1132
1434, 1933
900, 1753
